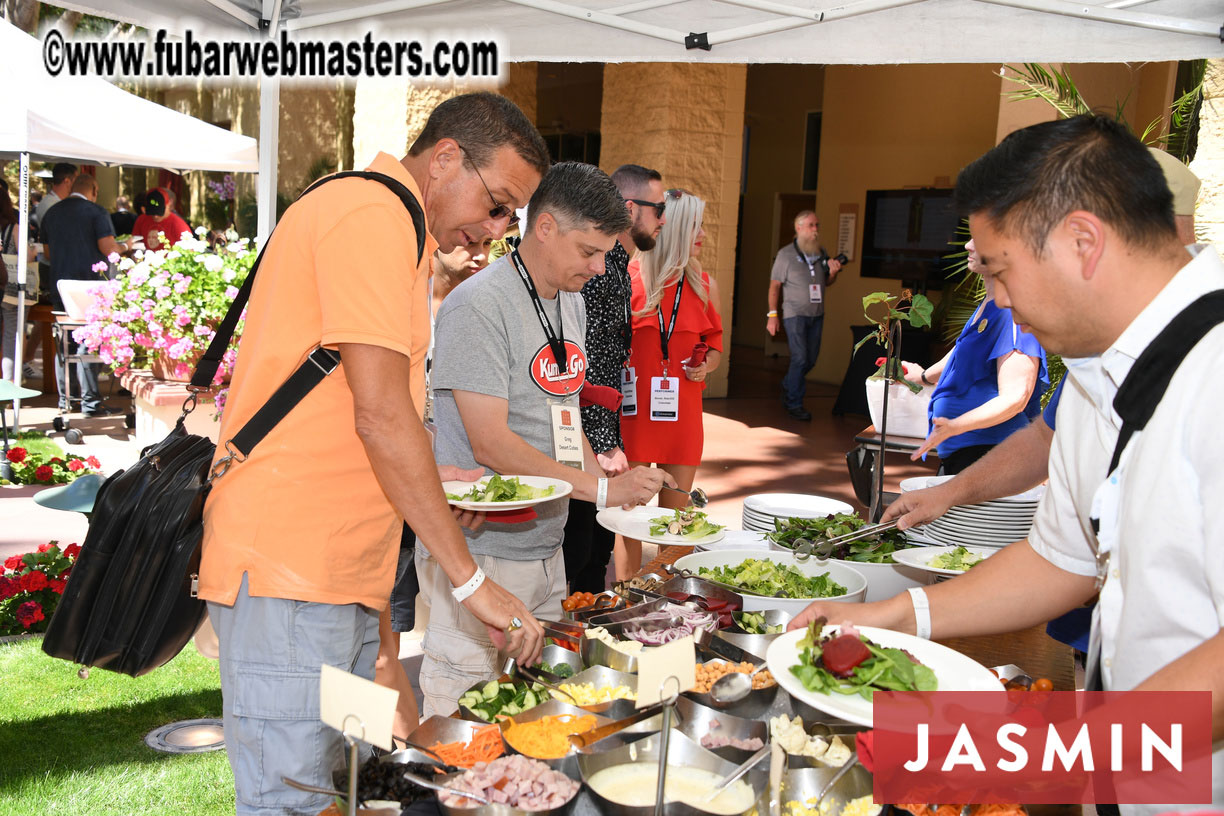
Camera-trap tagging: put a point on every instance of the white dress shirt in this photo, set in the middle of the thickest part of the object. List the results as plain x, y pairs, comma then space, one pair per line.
1162, 512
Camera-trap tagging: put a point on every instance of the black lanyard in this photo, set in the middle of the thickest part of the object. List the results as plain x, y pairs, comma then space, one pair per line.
810, 264
665, 332
556, 341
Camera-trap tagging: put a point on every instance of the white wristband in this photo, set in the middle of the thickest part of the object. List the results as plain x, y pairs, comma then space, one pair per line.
601, 495
922, 612
462, 593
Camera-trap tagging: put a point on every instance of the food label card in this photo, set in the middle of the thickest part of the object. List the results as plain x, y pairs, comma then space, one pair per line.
666, 670
356, 705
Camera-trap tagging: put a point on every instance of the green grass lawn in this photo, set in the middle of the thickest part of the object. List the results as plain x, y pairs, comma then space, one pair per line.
37, 442
72, 746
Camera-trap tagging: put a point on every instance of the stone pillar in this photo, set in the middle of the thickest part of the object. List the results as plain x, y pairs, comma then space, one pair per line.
1208, 162
520, 86
687, 122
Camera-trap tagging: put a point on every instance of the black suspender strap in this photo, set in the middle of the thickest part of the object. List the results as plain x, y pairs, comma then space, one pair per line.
318, 363
1149, 377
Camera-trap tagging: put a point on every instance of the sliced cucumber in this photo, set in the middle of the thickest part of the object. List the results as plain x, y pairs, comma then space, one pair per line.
490, 690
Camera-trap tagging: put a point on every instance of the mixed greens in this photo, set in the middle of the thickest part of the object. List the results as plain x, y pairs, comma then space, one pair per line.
959, 559
497, 489
494, 699
848, 663
689, 522
754, 624
875, 550
759, 576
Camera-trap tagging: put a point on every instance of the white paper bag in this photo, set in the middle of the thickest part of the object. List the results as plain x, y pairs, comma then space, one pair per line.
907, 411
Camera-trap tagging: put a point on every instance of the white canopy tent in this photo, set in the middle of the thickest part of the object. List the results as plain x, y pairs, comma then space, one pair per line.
748, 31
87, 119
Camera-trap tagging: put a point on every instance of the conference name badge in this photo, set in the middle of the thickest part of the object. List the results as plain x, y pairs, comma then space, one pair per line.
566, 421
665, 399
628, 392
815, 293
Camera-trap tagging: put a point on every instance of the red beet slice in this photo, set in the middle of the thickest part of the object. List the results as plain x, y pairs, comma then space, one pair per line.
715, 605
843, 653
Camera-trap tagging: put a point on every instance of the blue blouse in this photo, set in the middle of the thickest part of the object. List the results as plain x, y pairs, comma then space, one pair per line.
971, 376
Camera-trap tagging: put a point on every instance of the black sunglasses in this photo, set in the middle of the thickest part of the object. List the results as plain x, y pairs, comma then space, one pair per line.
498, 210
658, 206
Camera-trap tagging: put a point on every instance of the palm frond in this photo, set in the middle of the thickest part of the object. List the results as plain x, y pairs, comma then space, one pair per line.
1055, 87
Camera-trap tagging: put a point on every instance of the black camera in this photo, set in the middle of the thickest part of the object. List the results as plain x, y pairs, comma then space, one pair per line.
824, 260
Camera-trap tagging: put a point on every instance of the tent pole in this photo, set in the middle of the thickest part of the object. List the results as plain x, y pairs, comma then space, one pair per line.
1156, 22
269, 138
23, 253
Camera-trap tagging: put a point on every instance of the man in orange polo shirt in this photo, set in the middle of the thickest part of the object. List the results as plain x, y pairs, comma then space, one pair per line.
301, 537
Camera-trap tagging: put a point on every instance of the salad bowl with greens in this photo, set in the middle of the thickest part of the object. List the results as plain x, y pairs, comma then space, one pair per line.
776, 580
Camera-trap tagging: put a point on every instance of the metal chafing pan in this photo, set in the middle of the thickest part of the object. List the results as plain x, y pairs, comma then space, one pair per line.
681, 752
802, 784
696, 721
755, 704
553, 708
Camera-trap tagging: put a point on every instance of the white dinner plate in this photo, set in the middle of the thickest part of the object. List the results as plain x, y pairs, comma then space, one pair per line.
953, 670
635, 523
921, 557
562, 489
794, 505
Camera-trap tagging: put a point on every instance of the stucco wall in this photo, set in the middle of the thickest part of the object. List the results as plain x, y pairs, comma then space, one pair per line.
693, 135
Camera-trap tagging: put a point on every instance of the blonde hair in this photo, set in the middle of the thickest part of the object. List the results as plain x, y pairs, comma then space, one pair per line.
672, 253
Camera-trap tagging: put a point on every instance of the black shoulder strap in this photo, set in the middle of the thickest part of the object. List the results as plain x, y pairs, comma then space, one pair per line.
1149, 377
320, 362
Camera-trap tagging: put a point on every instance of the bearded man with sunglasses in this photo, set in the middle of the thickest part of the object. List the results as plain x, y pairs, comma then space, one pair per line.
301, 536
587, 545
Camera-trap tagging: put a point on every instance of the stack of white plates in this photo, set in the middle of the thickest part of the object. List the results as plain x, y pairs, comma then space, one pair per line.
994, 523
761, 509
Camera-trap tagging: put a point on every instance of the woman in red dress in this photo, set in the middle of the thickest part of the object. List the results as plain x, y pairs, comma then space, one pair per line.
670, 291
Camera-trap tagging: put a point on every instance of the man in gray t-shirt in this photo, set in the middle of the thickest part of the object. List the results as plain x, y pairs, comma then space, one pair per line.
801, 274
509, 347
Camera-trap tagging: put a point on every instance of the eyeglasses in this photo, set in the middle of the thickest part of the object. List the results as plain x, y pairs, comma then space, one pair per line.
658, 206
498, 210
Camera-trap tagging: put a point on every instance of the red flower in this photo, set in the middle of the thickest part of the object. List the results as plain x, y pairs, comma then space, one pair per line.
42, 548
71, 551
44, 473
14, 563
93, 462
34, 581
75, 464
16, 455
8, 588
55, 460
29, 613
57, 586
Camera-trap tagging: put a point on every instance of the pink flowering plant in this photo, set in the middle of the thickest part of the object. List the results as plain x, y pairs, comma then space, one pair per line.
168, 302
31, 586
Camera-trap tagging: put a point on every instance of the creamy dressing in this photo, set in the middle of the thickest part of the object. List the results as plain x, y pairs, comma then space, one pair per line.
634, 785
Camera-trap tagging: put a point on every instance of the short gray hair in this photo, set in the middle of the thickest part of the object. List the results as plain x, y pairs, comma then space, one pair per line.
575, 194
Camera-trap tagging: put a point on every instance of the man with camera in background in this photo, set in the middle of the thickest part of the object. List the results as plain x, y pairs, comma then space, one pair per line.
802, 271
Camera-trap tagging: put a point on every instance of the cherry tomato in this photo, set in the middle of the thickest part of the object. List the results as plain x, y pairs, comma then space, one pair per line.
1043, 684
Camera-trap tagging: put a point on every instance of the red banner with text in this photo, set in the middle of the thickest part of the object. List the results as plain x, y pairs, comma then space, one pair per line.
1036, 747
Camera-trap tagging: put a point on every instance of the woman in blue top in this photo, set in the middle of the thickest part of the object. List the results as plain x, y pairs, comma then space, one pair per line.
985, 388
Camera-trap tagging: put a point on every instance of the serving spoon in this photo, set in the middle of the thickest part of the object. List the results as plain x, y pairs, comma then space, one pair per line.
733, 686
747, 766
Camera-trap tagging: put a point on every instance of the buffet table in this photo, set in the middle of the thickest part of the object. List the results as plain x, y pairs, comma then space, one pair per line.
1032, 649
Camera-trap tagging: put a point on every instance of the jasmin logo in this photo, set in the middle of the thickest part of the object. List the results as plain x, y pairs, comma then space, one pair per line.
548, 375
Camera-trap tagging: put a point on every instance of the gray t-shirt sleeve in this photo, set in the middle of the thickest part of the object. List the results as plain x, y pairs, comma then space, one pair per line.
780, 268
471, 353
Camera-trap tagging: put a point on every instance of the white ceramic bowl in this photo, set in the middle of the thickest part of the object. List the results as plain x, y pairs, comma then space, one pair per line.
849, 577
883, 580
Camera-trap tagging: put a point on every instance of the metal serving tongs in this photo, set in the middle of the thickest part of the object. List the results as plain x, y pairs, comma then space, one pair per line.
588, 738
560, 629
537, 676
697, 497
411, 777
822, 549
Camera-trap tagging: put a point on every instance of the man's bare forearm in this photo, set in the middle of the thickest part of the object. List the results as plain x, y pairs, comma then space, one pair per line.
1018, 463
775, 289
401, 455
